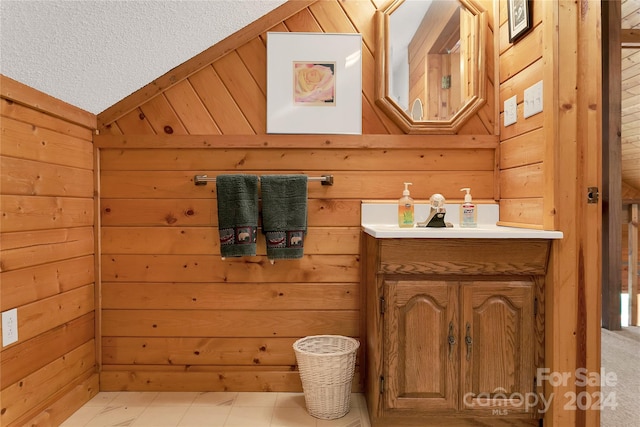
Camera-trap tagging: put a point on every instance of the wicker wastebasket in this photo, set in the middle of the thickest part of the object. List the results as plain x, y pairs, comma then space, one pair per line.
326, 364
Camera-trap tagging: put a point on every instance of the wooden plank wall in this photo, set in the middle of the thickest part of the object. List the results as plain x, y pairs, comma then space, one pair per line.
47, 257
630, 195
175, 316
546, 163
633, 265
626, 220
522, 145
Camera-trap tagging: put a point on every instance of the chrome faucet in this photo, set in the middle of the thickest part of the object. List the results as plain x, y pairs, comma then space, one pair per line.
436, 212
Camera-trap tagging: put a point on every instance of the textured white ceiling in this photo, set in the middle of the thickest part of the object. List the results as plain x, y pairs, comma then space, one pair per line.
93, 53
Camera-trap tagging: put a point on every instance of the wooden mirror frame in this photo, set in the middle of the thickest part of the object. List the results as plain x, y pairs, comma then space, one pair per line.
479, 73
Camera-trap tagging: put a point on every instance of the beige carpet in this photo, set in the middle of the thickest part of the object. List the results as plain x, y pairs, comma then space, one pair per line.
621, 354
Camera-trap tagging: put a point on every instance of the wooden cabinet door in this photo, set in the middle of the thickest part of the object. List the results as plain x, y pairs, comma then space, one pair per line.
420, 362
497, 346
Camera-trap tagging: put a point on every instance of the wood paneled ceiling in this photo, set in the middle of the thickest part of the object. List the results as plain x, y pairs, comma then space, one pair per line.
630, 13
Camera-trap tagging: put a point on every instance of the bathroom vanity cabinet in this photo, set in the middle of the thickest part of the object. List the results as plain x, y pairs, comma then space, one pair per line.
454, 330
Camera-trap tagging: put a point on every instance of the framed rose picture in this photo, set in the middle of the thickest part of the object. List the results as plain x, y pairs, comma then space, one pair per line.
314, 83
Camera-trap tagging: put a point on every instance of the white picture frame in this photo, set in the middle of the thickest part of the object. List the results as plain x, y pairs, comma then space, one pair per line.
329, 100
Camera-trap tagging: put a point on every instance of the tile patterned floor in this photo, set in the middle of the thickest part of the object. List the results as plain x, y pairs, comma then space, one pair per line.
193, 409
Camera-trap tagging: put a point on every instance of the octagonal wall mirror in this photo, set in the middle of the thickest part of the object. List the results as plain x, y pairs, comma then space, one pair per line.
430, 53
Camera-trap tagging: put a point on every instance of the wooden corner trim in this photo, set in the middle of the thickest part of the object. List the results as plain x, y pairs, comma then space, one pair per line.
22, 94
310, 141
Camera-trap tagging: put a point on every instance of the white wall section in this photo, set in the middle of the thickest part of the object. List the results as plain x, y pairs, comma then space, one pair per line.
93, 53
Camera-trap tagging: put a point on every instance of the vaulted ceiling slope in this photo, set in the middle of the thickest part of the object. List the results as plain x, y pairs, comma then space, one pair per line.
93, 53
237, 40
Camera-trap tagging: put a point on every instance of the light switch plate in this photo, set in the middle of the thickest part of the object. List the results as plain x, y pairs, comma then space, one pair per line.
510, 111
9, 327
533, 100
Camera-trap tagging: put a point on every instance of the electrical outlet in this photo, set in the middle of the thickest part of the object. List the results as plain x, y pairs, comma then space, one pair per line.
510, 111
9, 327
533, 100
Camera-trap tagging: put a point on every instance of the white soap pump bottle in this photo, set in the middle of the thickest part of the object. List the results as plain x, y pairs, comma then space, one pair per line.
468, 211
405, 208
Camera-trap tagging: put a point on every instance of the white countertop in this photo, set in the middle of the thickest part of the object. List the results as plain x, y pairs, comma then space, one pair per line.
380, 221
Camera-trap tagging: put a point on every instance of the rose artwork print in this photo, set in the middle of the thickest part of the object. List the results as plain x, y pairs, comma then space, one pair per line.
314, 83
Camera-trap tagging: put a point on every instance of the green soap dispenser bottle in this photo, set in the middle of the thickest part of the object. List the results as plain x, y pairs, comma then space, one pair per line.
468, 211
405, 208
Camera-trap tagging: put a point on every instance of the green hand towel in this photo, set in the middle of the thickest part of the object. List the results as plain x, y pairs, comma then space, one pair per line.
237, 214
284, 215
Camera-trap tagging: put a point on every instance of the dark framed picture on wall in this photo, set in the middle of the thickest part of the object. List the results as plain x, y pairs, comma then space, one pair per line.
519, 18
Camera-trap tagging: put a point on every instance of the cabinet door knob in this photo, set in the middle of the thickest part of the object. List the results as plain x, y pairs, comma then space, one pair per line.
452, 339
468, 341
